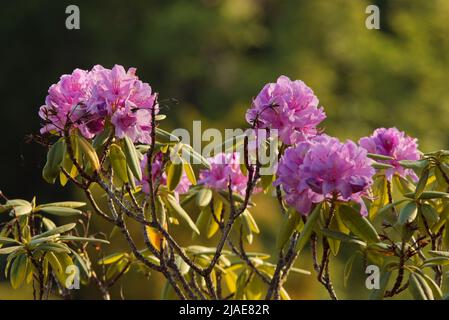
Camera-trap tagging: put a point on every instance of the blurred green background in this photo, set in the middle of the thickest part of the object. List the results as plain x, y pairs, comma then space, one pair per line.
213, 56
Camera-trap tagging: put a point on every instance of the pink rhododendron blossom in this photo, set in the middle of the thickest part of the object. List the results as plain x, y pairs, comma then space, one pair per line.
291, 107
90, 99
225, 168
159, 175
393, 143
323, 168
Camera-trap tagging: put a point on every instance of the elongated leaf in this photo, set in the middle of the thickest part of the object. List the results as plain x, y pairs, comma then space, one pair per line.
379, 156
436, 261
165, 137
9, 250
89, 152
203, 198
193, 157
189, 172
155, 237
408, 213
429, 195
174, 174
348, 269
4, 240
57, 230
18, 271
60, 211
83, 239
342, 237
64, 204
132, 158
439, 253
422, 183
436, 291
54, 159
416, 289
118, 162
111, 258
358, 224
429, 213
380, 165
413, 164
289, 223
181, 212
308, 227
250, 221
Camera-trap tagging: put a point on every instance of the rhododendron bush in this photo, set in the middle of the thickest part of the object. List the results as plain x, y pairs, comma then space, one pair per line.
381, 197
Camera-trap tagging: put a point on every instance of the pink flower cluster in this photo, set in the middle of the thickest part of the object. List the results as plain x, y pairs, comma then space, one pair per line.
89, 100
322, 168
393, 143
291, 107
224, 167
158, 175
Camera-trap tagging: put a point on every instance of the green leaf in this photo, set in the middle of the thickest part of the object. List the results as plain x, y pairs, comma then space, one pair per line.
132, 158
111, 258
290, 222
408, 213
436, 261
413, 164
4, 240
18, 271
250, 221
378, 156
426, 289
54, 159
308, 227
89, 152
358, 224
380, 195
57, 230
378, 294
165, 137
203, 197
189, 172
174, 174
415, 288
53, 247
429, 213
181, 212
101, 138
9, 250
436, 291
118, 162
189, 153
67, 163
337, 235
64, 204
83, 239
348, 269
380, 165
435, 253
422, 183
429, 195
59, 211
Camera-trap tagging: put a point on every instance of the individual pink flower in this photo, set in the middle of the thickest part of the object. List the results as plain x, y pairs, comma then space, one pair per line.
323, 168
225, 168
136, 124
393, 143
159, 175
291, 107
